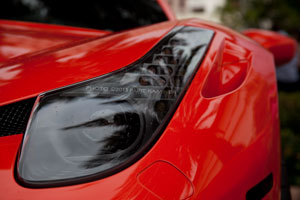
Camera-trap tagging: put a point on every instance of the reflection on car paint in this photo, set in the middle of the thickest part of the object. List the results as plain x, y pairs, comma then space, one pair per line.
100, 124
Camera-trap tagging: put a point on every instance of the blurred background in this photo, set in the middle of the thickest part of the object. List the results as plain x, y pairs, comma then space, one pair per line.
278, 15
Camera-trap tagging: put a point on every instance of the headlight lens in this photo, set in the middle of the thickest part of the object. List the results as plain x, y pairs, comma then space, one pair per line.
98, 127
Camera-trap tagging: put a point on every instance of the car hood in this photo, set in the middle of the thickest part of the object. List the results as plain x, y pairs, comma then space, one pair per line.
35, 58
22, 38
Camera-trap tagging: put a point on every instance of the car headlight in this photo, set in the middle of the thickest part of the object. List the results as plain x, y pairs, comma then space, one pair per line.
98, 127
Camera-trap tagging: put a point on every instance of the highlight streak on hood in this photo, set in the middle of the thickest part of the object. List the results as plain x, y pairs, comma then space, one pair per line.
21, 38
72, 58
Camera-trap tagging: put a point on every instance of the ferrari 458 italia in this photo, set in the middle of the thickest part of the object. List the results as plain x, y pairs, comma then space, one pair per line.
123, 101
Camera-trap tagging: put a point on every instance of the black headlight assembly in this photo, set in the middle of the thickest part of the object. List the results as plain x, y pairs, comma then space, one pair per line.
96, 128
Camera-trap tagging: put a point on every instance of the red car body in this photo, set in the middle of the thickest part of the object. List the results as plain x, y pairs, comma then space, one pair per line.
222, 140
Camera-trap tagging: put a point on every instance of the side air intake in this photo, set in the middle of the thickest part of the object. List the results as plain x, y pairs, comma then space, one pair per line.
14, 117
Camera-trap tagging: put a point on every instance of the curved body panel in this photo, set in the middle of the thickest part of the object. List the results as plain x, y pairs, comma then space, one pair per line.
222, 140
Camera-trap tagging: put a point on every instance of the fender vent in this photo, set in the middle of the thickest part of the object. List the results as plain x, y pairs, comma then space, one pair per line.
261, 189
14, 117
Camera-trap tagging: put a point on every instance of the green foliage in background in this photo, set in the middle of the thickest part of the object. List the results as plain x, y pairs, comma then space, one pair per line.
289, 109
268, 14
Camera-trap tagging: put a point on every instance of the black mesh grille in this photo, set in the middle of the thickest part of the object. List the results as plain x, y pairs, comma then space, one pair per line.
14, 117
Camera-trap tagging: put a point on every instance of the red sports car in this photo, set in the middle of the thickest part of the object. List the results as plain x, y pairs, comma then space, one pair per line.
134, 104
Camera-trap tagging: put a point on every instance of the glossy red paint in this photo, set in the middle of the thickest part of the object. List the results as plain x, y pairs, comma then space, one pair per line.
166, 176
229, 71
282, 47
74, 62
19, 38
222, 143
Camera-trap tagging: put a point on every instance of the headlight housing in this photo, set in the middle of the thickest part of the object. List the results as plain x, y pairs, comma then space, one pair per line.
98, 127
